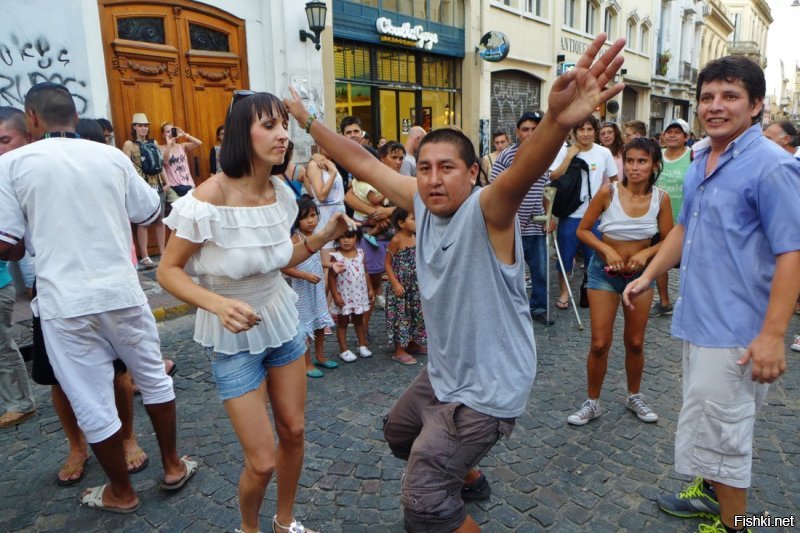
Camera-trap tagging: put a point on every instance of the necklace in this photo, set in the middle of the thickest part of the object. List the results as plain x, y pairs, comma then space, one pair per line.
65, 134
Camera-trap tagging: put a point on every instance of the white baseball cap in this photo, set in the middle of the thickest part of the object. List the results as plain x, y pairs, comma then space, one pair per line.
680, 123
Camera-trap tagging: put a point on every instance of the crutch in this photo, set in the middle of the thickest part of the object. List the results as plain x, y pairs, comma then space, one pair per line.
549, 196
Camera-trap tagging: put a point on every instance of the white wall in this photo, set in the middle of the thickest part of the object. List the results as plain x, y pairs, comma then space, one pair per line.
36, 48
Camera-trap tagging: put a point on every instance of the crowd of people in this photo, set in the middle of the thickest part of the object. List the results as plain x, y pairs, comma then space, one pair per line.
275, 256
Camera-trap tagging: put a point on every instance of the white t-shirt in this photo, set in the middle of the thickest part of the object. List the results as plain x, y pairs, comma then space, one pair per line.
601, 168
74, 200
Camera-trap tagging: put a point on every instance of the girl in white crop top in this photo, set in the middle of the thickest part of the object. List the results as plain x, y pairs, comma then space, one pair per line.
631, 213
233, 233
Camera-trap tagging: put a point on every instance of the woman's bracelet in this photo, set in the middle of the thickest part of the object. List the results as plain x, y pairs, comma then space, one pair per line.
311, 118
308, 247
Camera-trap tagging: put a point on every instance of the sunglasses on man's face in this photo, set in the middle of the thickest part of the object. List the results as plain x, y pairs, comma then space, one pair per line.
239, 95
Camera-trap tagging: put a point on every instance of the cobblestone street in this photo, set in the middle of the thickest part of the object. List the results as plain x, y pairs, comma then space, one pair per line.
604, 476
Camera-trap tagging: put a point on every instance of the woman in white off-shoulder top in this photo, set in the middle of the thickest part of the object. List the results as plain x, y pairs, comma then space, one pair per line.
233, 234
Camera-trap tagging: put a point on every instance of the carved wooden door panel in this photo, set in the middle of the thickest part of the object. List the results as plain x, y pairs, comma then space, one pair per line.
178, 63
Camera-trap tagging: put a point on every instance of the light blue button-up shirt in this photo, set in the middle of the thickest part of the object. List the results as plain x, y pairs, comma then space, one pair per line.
736, 220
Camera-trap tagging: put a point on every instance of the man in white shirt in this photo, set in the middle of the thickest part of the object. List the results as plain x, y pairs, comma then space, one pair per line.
74, 200
602, 170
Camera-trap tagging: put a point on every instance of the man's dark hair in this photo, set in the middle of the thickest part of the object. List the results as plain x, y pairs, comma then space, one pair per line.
590, 120
90, 129
219, 129
535, 116
637, 126
462, 143
499, 133
105, 124
732, 69
13, 118
349, 121
52, 103
390, 147
236, 151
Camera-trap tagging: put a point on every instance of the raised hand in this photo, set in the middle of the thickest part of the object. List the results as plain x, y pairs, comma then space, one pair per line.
295, 106
578, 92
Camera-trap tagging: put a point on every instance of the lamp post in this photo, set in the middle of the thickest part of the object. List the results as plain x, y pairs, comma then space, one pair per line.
316, 12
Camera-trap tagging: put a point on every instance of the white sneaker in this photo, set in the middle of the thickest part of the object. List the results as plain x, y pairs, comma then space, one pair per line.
347, 356
796, 343
636, 404
363, 351
589, 411
380, 302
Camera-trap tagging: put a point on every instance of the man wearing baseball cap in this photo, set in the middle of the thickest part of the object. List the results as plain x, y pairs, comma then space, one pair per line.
676, 160
533, 233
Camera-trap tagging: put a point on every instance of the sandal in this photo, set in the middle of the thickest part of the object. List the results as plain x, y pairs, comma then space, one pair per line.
191, 469
562, 304
69, 470
94, 498
404, 360
295, 527
129, 459
314, 373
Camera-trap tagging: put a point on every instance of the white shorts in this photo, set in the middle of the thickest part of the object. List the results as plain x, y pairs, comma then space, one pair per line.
82, 350
714, 438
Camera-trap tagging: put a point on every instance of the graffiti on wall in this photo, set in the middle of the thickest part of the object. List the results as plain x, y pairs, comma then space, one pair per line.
512, 94
26, 62
312, 99
484, 136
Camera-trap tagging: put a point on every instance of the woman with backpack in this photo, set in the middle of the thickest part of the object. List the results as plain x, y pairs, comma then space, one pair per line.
601, 169
147, 158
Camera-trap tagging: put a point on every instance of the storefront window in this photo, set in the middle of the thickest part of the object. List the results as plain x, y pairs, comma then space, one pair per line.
448, 12
354, 100
397, 66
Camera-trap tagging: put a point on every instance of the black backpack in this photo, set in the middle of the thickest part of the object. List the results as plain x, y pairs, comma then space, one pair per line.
152, 162
568, 188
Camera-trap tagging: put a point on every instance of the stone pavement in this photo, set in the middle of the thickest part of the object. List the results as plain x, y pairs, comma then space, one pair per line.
604, 476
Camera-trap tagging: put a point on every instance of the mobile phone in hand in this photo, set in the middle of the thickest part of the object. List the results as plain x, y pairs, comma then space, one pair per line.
174, 133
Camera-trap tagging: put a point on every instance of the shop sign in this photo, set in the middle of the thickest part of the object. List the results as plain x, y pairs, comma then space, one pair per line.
494, 46
406, 34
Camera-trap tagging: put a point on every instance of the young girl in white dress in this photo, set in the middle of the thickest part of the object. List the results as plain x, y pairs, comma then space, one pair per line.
351, 291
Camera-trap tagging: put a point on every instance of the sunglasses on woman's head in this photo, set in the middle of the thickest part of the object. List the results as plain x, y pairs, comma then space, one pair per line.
239, 95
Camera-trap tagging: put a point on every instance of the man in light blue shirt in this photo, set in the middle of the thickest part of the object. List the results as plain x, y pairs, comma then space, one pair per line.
738, 241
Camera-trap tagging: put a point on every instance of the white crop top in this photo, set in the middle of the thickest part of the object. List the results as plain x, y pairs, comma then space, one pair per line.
616, 224
242, 250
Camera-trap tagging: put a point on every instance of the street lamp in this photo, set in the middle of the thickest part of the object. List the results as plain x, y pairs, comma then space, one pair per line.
316, 13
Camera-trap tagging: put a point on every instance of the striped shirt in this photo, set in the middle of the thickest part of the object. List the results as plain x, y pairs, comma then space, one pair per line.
533, 203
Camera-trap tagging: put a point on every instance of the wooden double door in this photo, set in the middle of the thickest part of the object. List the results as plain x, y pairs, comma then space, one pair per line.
176, 61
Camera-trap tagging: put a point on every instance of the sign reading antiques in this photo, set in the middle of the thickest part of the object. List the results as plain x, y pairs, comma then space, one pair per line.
494, 46
406, 34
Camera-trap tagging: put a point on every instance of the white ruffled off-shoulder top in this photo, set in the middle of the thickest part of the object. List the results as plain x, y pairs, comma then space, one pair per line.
242, 252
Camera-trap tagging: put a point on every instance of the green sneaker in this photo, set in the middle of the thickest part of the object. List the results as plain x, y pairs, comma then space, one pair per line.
716, 527
695, 500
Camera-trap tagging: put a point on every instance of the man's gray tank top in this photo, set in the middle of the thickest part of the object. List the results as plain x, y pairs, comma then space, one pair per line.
481, 350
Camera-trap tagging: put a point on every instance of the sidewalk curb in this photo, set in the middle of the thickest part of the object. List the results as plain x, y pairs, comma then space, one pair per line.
162, 314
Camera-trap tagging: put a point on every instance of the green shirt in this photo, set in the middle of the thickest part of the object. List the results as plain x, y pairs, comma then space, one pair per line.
671, 179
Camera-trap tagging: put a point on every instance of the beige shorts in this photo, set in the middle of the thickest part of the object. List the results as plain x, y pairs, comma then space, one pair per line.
714, 438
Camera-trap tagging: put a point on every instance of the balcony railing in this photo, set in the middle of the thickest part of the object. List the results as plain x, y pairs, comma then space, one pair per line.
744, 48
685, 71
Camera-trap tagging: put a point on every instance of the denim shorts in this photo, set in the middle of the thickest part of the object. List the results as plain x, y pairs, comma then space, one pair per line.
239, 373
599, 279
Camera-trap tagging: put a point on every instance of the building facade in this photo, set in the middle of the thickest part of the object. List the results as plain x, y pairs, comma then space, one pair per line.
397, 64
176, 61
751, 21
